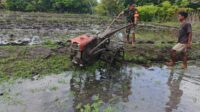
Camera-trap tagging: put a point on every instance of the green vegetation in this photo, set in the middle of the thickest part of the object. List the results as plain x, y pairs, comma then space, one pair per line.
32, 18
195, 26
150, 10
110, 7
10, 98
164, 12
30, 61
94, 106
76, 6
152, 53
19, 63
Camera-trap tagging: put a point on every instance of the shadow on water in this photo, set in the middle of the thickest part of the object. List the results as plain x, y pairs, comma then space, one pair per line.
126, 89
107, 83
137, 88
175, 91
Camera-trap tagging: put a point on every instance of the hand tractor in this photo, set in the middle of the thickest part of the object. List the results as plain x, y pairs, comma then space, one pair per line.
87, 49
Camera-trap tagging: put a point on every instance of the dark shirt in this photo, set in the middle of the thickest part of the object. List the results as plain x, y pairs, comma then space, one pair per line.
130, 15
184, 31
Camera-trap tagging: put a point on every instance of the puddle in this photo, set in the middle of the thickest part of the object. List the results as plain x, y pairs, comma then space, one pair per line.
128, 89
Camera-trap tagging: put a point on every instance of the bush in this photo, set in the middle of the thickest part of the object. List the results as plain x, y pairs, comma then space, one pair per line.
16, 5
101, 9
2, 4
31, 7
147, 12
163, 12
110, 7
183, 3
166, 11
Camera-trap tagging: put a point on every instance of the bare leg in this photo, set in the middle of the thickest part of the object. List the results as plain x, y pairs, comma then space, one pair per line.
128, 30
127, 37
173, 58
185, 57
133, 40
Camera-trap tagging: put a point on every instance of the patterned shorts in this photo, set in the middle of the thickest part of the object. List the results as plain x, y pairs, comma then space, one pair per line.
130, 29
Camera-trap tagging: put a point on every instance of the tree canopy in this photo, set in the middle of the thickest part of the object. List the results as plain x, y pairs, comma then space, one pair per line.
161, 10
75, 6
105, 7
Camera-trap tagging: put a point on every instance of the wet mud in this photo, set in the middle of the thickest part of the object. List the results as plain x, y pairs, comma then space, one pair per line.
130, 88
18, 28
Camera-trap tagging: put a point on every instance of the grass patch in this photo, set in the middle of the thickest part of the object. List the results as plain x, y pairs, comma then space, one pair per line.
163, 36
16, 65
27, 17
195, 26
26, 68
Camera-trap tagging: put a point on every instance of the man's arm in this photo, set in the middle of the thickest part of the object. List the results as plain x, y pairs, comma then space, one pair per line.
189, 31
136, 20
136, 17
190, 40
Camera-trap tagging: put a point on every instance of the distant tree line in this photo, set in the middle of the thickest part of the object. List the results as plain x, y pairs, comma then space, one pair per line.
159, 10
87, 6
73, 6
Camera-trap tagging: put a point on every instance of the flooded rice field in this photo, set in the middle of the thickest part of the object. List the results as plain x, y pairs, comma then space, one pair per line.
130, 88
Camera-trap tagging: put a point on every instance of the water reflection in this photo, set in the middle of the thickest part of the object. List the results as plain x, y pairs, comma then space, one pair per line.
110, 84
175, 91
126, 89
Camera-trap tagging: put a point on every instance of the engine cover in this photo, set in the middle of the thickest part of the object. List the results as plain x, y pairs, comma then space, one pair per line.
81, 41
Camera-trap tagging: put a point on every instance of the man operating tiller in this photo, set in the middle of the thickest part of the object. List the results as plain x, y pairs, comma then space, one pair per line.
132, 16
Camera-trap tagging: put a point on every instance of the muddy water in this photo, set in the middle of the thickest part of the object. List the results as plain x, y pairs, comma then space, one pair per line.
130, 88
27, 35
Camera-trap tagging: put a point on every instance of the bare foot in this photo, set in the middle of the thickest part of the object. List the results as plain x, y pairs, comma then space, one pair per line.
171, 63
184, 66
133, 44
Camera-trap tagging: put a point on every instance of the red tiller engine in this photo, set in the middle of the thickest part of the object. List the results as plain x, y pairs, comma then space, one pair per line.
87, 49
79, 47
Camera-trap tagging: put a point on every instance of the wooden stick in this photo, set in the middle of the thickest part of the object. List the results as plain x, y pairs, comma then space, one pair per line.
113, 21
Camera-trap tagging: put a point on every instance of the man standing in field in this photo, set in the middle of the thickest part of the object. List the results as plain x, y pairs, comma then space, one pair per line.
132, 16
184, 41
